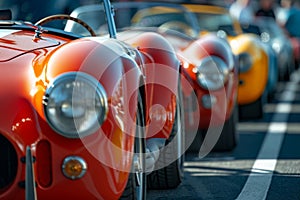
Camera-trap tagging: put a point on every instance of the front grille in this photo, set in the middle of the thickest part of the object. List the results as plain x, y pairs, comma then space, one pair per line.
8, 163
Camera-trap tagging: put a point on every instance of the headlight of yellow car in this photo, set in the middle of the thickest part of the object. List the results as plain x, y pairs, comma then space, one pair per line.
75, 104
212, 73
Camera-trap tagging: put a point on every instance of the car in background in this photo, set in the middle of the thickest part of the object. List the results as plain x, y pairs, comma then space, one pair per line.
271, 33
253, 58
210, 74
273, 69
85, 116
288, 19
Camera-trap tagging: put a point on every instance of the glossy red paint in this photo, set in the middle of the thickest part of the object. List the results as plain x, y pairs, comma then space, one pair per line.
25, 73
161, 69
191, 53
30, 64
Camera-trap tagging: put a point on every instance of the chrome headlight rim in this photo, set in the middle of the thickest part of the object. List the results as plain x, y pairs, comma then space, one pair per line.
220, 73
99, 93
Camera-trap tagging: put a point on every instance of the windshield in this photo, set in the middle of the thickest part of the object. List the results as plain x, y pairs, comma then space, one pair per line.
216, 22
135, 15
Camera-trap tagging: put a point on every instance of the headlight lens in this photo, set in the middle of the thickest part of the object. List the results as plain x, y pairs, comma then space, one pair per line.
245, 62
75, 104
212, 73
276, 46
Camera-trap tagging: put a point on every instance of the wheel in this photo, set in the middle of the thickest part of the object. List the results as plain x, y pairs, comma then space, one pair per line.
287, 73
197, 142
253, 110
227, 140
65, 17
136, 187
170, 176
229, 136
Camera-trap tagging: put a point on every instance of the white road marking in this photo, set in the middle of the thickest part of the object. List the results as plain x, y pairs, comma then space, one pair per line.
270, 108
259, 180
254, 127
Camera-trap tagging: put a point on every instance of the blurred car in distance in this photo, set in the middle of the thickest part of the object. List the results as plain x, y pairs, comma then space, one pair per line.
253, 58
272, 34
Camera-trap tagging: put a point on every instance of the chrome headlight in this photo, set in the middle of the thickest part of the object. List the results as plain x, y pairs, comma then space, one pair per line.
75, 104
212, 73
245, 62
280, 46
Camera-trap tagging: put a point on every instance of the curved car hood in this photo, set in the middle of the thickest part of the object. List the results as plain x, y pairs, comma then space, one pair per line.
14, 43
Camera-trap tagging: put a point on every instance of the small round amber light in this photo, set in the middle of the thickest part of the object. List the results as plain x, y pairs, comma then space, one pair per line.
74, 167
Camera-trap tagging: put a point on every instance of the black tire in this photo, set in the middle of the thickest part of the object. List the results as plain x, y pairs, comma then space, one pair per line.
136, 188
287, 74
283, 74
229, 135
253, 110
226, 142
290, 69
170, 176
196, 143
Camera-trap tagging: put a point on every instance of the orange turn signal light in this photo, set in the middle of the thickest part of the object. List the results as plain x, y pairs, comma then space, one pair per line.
74, 167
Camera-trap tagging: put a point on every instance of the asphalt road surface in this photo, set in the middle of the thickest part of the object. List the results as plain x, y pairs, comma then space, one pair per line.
264, 165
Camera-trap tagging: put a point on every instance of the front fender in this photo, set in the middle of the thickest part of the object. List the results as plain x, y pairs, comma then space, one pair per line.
211, 45
109, 63
106, 61
161, 68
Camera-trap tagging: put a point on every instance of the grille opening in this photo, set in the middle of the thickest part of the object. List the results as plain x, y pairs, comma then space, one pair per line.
8, 163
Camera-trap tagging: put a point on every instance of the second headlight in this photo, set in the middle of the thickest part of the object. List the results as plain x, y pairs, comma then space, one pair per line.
212, 73
75, 104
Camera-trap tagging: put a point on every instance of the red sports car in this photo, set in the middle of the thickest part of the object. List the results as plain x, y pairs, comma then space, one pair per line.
86, 117
210, 73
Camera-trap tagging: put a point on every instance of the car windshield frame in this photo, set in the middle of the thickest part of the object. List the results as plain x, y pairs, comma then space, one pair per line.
213, 22
93, 14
